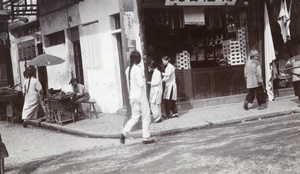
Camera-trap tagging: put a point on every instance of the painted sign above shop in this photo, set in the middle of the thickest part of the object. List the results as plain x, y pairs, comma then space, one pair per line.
199, 2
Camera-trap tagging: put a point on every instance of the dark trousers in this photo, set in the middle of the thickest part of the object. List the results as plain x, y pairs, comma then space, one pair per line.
170, 105
259, 93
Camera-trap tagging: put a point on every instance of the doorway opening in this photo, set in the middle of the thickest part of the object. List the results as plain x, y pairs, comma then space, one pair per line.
74, 37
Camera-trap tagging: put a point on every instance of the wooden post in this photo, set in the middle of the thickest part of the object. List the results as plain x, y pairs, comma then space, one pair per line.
126, 8
128, 15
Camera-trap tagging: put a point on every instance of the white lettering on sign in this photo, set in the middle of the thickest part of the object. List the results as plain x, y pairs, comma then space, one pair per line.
3, 37
199, 2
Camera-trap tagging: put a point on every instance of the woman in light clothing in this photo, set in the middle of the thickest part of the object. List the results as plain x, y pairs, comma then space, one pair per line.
32, 89
138, 99
155, 92
170, 93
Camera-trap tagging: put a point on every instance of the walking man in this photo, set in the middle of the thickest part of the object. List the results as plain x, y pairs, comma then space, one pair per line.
138, 99
253, 76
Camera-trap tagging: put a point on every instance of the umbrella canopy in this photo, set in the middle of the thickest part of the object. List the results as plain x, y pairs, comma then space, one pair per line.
45, 60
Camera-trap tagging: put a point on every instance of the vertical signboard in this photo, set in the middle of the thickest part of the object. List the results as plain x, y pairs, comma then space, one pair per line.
6, 76
129, 32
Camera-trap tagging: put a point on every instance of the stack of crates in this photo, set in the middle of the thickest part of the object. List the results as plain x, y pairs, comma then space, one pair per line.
232, 52
241, 36
183, 60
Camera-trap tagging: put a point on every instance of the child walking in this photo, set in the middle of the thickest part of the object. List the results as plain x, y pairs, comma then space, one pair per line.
155, 97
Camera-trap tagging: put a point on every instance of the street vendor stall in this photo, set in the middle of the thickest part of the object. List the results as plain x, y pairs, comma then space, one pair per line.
11, 104
61, 108
57, 106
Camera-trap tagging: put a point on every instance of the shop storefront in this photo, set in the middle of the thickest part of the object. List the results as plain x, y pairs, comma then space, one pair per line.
207, 41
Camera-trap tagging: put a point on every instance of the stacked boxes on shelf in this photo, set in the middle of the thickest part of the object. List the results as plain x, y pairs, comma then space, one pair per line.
241, 36
183, 60
232, 52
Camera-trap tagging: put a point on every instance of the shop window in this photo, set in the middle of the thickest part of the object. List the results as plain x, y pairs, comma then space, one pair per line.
26, 50
55, 39
196, 38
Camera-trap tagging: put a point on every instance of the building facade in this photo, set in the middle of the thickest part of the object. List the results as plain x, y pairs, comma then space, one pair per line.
90, 37
208, 42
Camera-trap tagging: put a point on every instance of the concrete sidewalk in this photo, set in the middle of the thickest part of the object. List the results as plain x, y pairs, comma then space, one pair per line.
110, 125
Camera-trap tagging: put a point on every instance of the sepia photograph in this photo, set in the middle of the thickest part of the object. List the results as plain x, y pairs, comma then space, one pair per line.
149, 87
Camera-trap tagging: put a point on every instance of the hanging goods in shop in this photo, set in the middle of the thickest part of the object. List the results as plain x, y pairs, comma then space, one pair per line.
241, 36
232, 52
183, 60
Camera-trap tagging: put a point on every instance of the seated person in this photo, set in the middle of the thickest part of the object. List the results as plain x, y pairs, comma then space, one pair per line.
81, 94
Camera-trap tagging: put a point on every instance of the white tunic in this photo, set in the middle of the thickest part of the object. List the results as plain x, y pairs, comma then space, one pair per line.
31, 100
137, 87
156, 87
170, 79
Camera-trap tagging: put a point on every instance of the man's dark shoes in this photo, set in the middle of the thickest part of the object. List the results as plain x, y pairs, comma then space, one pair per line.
246, 105
165, 117
122, 138
24, 123
148, 140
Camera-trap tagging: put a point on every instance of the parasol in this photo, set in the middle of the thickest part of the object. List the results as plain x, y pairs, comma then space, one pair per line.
45, 60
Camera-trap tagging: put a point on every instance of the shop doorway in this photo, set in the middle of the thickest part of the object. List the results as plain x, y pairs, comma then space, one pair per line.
115, 20
74, 37
122, 66
78, 62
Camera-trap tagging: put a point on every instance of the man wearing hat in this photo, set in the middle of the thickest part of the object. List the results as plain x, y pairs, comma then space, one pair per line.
254, 81
81, 94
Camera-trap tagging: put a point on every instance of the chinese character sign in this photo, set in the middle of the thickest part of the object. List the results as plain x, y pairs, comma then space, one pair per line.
199, 2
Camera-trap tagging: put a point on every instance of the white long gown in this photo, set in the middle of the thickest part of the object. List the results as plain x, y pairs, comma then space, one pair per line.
31, 100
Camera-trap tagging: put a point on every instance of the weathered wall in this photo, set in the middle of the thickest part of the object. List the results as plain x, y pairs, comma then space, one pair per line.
54, 18
58, 74
15, 62
103, 81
